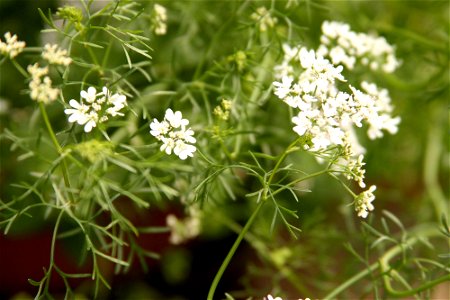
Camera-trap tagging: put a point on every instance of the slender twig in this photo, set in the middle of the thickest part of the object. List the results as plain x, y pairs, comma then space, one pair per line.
233, 249
55, 143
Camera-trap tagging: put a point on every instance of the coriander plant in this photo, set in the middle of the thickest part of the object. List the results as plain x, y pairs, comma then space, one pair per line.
142, 132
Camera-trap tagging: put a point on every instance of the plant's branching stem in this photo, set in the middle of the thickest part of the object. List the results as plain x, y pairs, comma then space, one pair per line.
233, 250
20, 69
385, 268
431, 166
256, 93
249, 222
56, 144
264, 251
52, 252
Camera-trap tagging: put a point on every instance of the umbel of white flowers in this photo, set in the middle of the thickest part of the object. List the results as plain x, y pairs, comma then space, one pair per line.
95, 108
326, 116
174, 135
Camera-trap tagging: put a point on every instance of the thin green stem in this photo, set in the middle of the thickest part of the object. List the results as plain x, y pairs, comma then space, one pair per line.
386, 269
351, 281
19, 68
294, 182
55, 143
343, 185
249, 222
256, 92
233, 249
264, 251
52, 251
283, 156
432, 163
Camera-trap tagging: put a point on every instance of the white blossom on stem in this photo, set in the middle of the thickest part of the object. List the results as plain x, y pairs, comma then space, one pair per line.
95, 108
55, 55
12, 46
174, 135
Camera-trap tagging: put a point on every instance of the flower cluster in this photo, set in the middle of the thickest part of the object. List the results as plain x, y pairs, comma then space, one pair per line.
54, 55
263, 17
96, 107
159, 19
174, 135
327, 115
363, 202
344, 46
182, 230
12, 46
222, 111
40, 85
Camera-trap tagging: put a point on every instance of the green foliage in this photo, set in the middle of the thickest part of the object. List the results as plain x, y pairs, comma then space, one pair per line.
251, 174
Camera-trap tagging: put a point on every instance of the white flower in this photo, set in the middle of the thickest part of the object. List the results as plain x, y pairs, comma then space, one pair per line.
283, 88
175, 118
78, 112
174, 135
96, 108
183, 150
55, 55
307, 58
345, 46
12, 46
159, 129
363, 202
90, 96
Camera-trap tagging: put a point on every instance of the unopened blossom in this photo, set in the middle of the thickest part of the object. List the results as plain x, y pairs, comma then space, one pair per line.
40, 85
263, 17
174, 134
345, 46
12, 46
55, 55
222, 111
363, 202
159, 19
94, 108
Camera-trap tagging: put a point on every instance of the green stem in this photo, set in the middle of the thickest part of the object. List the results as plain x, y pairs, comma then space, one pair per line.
20, 69
52, 251
294, 182
385, 268
351, 281
249, 223
263, 75
233, 250
264, 251
283, 156
432, 163
55, 143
